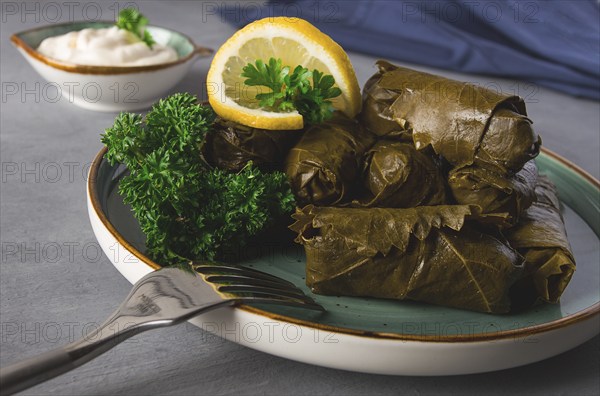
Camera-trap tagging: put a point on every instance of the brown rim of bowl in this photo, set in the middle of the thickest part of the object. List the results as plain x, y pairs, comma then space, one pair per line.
103, 70
585, 314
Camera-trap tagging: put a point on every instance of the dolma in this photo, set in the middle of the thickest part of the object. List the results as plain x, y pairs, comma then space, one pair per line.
541, 238
463, 122
399, 176
323, 166
376, 112
231, 146
427, 253
493, 192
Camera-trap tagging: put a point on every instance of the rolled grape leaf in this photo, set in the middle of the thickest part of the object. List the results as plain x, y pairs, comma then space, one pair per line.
398, 176
376, 112
509, 141
541, 238
463, 122
493, 192
231, 146
323, 166
425, 254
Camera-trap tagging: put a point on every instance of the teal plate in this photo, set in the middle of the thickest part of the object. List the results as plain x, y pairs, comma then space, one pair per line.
578, 191
385, 336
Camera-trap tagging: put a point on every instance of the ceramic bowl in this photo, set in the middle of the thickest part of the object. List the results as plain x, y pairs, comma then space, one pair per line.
109, 88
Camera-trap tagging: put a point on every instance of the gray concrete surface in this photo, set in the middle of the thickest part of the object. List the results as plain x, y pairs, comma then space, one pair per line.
55, 282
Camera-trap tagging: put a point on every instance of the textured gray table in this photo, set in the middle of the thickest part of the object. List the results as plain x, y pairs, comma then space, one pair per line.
55, 282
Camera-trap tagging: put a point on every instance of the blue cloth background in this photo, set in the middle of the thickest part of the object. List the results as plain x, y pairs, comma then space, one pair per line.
551, 43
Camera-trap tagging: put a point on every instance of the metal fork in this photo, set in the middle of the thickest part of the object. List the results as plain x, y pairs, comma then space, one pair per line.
162, 298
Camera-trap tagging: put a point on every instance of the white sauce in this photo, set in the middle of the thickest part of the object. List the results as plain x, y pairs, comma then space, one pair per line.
105, 47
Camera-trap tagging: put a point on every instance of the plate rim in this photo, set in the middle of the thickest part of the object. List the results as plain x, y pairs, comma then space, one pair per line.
578, 317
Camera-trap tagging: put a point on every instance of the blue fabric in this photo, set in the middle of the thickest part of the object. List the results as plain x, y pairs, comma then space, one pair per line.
551, 43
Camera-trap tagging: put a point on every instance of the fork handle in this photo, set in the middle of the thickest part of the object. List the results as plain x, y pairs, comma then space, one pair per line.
32, 371
37, 369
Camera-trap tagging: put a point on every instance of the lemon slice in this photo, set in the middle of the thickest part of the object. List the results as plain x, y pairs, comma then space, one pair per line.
295, 42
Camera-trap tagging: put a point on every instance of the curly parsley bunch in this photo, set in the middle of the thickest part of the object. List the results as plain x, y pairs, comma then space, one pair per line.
186, 209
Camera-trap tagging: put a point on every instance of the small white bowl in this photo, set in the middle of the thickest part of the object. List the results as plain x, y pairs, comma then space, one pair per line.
110, 88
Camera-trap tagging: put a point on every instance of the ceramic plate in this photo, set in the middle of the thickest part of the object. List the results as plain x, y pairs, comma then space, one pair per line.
383, 336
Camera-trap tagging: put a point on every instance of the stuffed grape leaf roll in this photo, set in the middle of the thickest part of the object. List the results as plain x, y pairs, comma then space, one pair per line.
231, 146
427, 253
323, 166
541, 238
493, 192
377, 112
397, 175
463, 122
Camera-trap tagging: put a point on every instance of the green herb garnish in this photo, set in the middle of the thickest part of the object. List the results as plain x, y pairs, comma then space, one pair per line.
293, 91
133, 21
186, 209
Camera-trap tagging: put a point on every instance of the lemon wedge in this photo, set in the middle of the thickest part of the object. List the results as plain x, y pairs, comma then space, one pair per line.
294, 41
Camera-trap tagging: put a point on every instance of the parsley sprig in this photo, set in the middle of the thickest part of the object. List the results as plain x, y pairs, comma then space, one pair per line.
293, 91
133, 21
186, 209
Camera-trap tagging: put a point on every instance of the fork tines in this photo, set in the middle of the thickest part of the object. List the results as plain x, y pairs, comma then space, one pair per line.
249, 285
